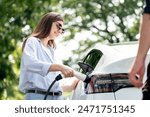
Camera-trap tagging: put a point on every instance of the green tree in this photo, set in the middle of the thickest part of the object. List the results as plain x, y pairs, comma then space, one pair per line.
18, 18
110, 21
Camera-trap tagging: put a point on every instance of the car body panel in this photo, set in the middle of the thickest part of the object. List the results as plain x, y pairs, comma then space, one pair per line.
115, 59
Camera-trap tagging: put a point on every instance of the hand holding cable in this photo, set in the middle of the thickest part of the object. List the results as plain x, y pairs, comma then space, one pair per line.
67, 71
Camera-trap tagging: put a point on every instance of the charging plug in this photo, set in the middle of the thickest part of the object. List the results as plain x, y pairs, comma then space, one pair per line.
58, 77
87, 79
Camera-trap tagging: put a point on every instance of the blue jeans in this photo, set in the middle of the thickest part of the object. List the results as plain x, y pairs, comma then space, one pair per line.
35, 96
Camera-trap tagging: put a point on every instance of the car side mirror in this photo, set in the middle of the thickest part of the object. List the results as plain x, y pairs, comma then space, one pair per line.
85, 67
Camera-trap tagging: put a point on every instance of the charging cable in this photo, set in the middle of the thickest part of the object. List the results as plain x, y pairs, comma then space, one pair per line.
59, 77
80, 76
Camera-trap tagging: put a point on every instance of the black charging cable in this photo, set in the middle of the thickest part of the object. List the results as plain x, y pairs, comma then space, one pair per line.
56, 79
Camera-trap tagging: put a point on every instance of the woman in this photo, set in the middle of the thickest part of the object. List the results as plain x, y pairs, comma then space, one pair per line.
38, 64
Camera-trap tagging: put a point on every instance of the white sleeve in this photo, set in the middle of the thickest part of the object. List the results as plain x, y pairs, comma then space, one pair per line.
30, 61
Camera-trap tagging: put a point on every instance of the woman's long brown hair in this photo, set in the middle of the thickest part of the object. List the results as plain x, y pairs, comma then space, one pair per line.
44, 27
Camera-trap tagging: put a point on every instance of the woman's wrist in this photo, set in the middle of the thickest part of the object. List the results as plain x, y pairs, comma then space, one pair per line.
55, 67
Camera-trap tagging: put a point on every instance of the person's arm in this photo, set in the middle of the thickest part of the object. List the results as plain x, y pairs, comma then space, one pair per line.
32, 64
144, 43
65, 70
138, 67
29, 58
69, 85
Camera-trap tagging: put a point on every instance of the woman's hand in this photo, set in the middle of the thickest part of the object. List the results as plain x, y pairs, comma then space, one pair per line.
67, 71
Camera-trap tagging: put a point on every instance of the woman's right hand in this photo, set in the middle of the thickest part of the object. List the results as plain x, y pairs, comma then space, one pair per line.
67, 71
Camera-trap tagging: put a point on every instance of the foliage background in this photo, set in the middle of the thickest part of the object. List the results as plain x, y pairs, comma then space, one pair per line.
107, 21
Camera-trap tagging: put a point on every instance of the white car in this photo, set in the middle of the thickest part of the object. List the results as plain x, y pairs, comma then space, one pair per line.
108, 68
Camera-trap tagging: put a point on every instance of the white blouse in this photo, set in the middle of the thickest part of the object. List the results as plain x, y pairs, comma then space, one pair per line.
35, 62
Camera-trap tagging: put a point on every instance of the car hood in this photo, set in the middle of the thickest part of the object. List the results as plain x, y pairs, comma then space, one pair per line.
116, 59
